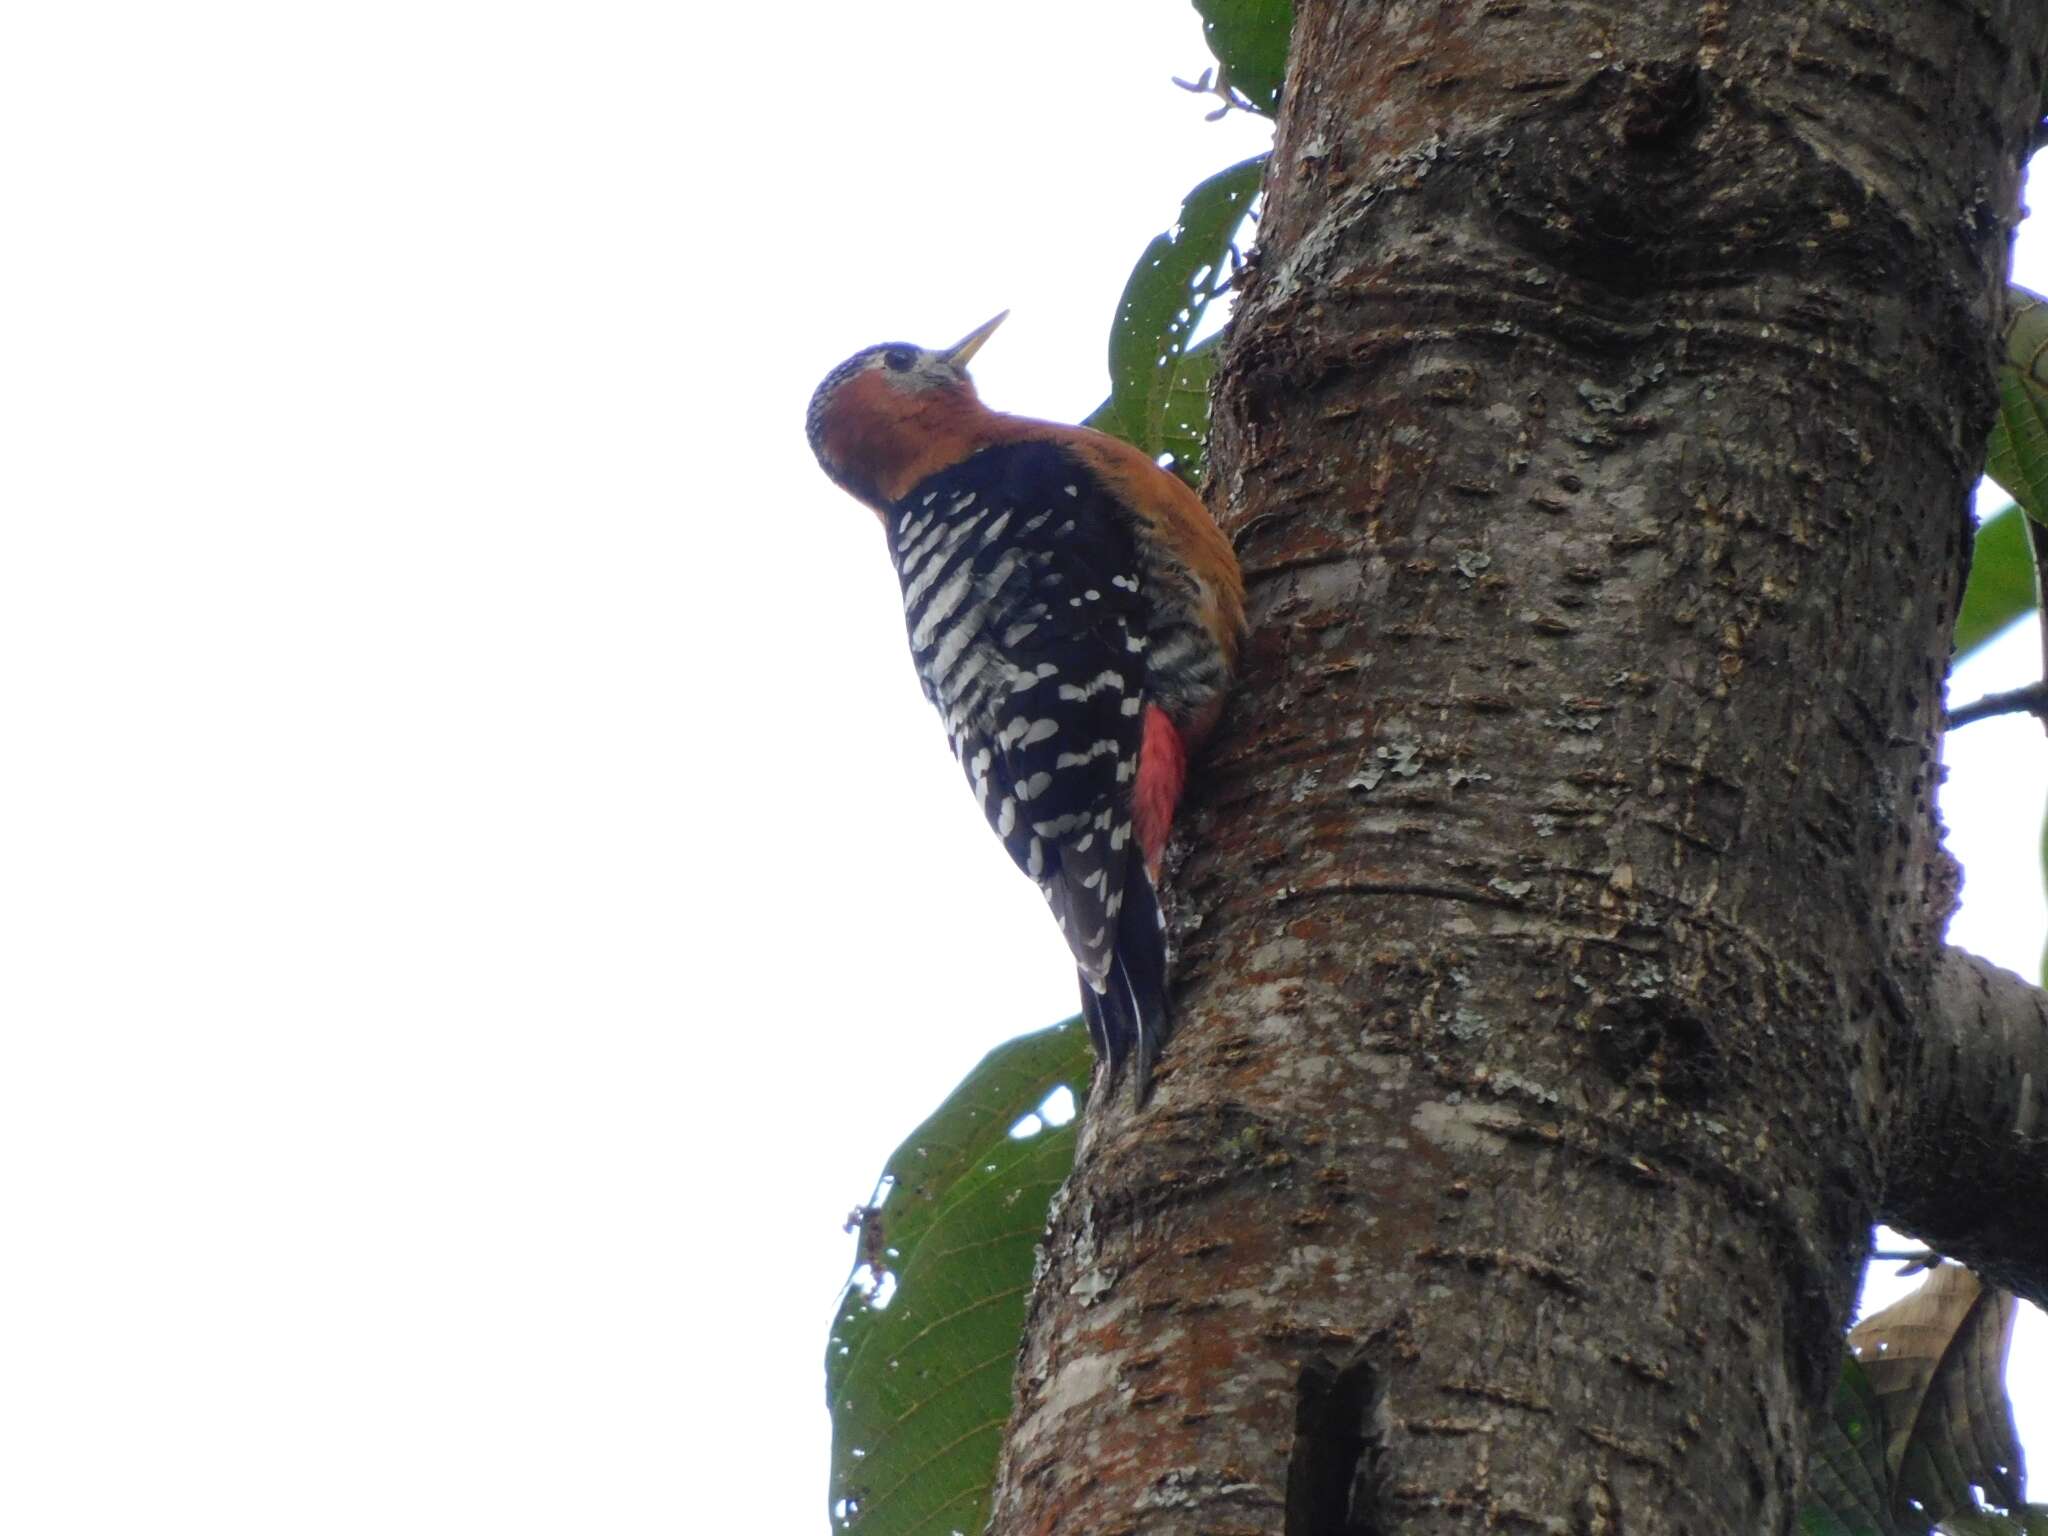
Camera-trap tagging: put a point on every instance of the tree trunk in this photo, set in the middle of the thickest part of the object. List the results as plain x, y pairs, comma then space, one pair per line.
1597, 431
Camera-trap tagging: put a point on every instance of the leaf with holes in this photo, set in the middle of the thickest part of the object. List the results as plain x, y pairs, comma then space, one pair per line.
1179, 424
1158, 384
1848, 1484
918, 1368
1249, 39
2001, 585
1937, 1362
2018, 457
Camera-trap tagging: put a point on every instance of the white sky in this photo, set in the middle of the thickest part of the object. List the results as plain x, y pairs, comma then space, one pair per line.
481, 892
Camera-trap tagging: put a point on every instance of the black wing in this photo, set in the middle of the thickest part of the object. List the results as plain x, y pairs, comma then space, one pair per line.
1021, 589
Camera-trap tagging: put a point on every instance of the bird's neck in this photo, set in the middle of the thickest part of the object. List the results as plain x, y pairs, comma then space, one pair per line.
883, 447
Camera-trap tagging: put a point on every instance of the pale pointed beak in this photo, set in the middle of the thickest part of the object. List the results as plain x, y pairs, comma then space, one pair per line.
965, 348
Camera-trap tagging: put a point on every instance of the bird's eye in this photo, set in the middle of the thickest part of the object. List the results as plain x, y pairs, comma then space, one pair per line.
899, 358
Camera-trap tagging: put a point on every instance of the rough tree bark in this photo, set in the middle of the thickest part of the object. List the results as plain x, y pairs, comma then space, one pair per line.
1561, 989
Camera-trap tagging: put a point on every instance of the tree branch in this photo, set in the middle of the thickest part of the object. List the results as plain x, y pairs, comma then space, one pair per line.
2033, 699
1969, 1158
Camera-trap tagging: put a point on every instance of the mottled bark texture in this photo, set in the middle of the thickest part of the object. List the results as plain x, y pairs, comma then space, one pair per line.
1597, 432
1967, 1158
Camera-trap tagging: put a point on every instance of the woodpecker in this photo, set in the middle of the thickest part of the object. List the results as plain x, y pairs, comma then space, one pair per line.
1075, 617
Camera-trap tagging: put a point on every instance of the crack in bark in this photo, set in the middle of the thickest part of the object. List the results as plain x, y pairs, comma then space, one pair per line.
1290, 894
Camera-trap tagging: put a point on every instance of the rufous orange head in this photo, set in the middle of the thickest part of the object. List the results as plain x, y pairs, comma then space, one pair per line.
886, 409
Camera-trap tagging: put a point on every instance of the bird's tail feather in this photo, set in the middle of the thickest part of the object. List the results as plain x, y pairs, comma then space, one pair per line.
1127, 1018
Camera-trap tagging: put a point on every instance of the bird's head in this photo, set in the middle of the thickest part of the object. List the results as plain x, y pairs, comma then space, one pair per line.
889, 409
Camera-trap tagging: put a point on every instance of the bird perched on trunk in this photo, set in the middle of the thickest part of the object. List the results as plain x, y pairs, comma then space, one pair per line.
1074, 616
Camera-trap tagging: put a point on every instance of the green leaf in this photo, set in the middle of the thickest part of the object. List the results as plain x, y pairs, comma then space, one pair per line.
1158, 385
2018, 457
1848, 1485
1249, 39
918, 1368
2001, 585
2028, 1520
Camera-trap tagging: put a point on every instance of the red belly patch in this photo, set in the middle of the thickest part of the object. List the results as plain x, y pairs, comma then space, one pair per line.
1162, 771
